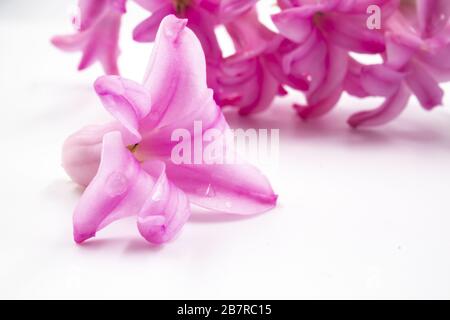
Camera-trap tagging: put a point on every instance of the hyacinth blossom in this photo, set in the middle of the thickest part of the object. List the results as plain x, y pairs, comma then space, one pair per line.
126, 164
416, 59
311, 50
97, 36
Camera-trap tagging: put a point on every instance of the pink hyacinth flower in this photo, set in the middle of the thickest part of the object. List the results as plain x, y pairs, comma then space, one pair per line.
173, 96
313, 50
432, 16
222, 76
123, 187
202, 19
97, 35
243, 79
413, 66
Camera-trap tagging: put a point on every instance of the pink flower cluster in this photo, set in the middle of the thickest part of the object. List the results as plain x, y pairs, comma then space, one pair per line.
126, 165
311, 51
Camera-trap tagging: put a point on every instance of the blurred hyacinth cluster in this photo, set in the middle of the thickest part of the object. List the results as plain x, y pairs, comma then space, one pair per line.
311, 49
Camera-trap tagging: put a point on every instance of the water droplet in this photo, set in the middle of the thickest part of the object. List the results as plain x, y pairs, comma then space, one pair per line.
206, 191
157, 195
210, 191
116, 184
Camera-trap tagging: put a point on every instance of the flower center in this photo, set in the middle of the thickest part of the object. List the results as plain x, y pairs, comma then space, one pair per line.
318, 18
133, 147
181, 5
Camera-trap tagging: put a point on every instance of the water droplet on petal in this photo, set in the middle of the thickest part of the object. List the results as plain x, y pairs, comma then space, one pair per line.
157, 195
116, 184
206, 191
210, 191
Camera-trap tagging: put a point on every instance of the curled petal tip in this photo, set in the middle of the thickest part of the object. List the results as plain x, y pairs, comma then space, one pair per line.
107, 85
302, 111
172, 27
274, 199
153, 228
81, 237
54, 41
353, 122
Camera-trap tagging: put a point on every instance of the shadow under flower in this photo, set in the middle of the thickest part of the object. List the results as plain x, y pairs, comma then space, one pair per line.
430, 131
129, 245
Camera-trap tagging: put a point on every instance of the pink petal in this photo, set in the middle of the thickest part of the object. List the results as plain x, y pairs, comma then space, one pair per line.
273, 64
433, 16
352, 83
251, 81
400, 49
119, 189
176, 75
293, 26
380, 80
82, 150
424, 86
98, 39
352, 33
328, 86
166, 210
233, 8
336, 64
320, 107
147, 29
250, 37
389, 110
229, 188
89, 12
125, 99
202, 23
307, 9
150, 5
308, 61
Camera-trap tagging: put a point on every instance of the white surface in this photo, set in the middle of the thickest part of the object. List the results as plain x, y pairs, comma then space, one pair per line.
360, 215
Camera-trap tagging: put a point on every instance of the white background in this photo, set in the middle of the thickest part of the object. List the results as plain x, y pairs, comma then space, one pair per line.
361, 214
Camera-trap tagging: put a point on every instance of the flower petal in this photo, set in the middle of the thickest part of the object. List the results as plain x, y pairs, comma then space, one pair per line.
320, 107
352, 84
251, 82
293, 26
176, 75
119, 189
82, 150
98, 40
147, 29
433, 16
424, 86
380, 80
229, 188
150, 5
389, 110
350, 32
166, 210
233, 8
327, 90
125, 99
